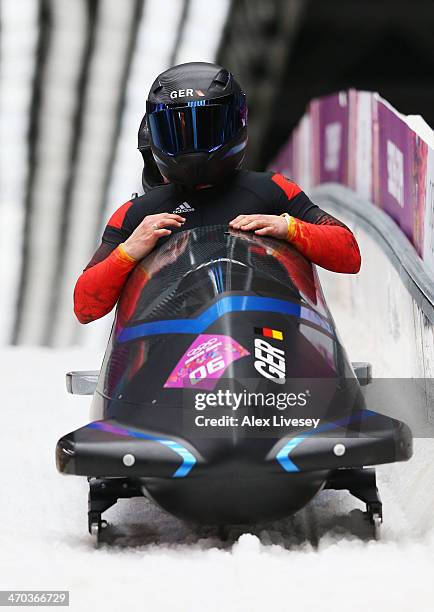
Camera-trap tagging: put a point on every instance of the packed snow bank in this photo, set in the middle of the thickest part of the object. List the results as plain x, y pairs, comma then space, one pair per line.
320, 559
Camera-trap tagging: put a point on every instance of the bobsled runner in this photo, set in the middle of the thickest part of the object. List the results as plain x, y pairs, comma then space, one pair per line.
225, 395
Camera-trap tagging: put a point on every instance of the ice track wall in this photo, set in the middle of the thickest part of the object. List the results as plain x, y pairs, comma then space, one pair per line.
389, 305
385, 315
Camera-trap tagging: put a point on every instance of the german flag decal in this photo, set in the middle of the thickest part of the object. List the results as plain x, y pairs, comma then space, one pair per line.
267, 332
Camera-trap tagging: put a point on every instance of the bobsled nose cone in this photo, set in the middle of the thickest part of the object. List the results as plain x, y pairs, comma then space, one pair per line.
236, 498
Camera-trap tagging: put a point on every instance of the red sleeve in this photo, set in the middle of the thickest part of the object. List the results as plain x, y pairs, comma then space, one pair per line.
118, 217
289, 188
333, 247
316, 234
98, 288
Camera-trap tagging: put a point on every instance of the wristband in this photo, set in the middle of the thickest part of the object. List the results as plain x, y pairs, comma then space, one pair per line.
124, 255
291, 225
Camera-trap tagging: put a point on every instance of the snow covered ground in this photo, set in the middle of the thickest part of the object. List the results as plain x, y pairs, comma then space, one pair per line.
320, 559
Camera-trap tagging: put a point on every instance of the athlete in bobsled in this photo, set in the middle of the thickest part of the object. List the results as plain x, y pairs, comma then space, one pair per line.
219, 300
196, 115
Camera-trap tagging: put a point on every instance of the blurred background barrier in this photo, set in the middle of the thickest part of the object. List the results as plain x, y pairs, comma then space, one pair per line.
74, 76
74, 79
357, 139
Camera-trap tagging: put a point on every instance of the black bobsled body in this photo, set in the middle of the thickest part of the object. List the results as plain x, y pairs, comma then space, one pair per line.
225, 394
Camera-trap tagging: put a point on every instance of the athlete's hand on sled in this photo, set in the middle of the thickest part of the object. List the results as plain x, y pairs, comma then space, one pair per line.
263, 225
146, 235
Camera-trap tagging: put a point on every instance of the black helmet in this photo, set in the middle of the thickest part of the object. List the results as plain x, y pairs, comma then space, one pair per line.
197, 119
151, 176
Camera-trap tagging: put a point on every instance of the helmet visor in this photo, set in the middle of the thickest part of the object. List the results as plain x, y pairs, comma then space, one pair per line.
200, 125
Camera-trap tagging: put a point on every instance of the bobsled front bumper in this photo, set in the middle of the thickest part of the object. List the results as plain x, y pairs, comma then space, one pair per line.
108, 448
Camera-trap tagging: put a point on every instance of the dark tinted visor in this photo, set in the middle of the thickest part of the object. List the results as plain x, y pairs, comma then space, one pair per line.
200, 125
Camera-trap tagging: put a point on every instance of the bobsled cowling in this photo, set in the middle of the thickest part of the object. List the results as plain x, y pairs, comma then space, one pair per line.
217, 313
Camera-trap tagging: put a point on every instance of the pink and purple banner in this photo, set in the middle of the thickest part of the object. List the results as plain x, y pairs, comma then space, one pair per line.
399, 180
357, 139
330, 125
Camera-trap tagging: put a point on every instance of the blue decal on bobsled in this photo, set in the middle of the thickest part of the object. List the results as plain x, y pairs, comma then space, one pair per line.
188, 459
283, 455
225, 305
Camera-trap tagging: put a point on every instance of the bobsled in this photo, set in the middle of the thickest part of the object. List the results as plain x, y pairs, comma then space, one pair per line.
225, 395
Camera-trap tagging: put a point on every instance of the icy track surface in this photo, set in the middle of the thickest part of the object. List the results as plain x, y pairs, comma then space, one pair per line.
320, 559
